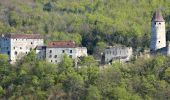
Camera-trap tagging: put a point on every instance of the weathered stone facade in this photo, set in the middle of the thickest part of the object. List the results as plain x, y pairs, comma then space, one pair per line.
56, 50
120, 53
18, 45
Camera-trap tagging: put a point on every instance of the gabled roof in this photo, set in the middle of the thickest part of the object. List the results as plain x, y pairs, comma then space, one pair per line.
61, 44
157, 16
24, 36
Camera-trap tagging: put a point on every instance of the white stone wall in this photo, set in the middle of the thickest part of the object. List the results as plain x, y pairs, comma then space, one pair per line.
158, 37
122, 54
17, 48
55, 55
81, 51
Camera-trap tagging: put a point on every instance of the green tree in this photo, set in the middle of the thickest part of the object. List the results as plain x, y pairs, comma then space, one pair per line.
93, 93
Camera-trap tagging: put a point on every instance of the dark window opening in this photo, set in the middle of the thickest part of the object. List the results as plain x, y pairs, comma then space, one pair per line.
71, 51
20, 47
50, 51
8, 52
14, 47
159, 23
63, 51
51, 60
55, 56
31, 42
16, 53
155, 23
159, 41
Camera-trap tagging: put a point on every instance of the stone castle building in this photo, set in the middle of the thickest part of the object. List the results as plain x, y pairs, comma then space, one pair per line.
56, 49
121, 53
158, 42
18, 45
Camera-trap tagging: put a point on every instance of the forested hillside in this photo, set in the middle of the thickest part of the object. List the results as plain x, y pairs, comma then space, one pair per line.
32, 79
91, 23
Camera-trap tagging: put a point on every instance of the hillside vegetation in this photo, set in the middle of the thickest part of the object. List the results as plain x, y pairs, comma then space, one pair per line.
33, 79
90, 23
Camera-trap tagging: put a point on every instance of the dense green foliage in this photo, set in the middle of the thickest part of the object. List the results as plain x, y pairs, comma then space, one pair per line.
88, 22
32, 79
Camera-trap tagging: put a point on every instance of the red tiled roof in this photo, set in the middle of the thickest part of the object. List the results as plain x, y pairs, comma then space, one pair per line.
61, 44
158, 16
24, 36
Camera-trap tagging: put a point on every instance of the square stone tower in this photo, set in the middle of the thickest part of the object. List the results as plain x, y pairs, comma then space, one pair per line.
158, 37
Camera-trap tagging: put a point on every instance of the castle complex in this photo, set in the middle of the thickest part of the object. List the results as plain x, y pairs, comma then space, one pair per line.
18, 45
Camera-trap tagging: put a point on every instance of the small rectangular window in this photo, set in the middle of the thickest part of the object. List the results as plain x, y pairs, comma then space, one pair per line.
8, 52
50, 51
71, 51
15, 53
63, 51
55, 56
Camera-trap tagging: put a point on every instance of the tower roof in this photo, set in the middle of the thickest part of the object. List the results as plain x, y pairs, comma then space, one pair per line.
158, 16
